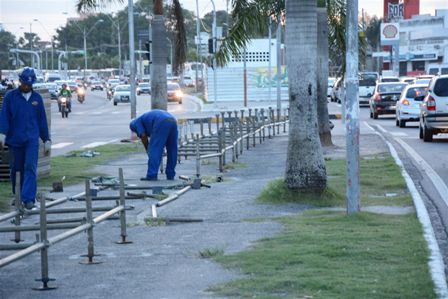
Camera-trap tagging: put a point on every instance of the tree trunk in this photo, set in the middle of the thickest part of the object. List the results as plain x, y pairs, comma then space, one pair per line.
322, 77
159, 60
305, 165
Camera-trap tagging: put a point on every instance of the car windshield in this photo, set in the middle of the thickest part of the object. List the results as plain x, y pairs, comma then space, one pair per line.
51, 86
143, 85
391, 88
441, 87
173, 86
422, 81
123, 88
390, 80
367, 81
416, 92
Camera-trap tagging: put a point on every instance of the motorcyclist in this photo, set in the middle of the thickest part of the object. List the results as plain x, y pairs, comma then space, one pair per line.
65, 92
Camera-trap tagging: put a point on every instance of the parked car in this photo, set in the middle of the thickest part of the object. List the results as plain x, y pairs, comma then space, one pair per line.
144, 87
331, 81
122, 94
408, 106
385, 98
336, 92
53, 90
174, 92
366, 88
189, 81
434, 109
96, 85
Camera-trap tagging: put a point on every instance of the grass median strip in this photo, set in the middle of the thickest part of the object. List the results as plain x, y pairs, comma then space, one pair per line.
75, 168
324, 253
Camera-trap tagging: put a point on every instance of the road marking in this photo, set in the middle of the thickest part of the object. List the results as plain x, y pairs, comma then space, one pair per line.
98, 143
116, 112
381, 129
96, 113
61, 145
398, 134
437, 181
94, 144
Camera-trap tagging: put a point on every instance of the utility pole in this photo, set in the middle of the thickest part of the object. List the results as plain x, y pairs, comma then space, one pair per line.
198, 44
352, 108
270, 63
132, 58
214, 50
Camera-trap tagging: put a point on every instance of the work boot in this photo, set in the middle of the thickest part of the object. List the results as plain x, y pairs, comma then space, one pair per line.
29, 205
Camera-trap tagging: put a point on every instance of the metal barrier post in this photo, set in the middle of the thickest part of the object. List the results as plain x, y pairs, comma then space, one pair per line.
217, 122
247, 135
223, 146
270, 122
209, 122
221, 159
201, 125
44, 251
18, 205
278, 121
123, 211
223, 119
89, 218
198, 158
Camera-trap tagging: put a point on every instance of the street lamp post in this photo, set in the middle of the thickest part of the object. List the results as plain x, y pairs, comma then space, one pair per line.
52, 43
119, 42
85, 34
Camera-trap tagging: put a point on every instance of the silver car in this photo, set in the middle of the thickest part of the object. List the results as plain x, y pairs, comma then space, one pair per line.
122, 94
408, 106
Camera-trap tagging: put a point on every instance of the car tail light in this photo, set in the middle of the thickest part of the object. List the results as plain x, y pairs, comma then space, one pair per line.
431, 104
377, 97
405, 102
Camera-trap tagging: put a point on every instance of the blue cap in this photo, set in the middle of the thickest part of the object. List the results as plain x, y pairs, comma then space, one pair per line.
27, 76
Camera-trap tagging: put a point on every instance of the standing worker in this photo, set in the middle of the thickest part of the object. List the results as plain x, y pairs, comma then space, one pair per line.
22, 122
161, 129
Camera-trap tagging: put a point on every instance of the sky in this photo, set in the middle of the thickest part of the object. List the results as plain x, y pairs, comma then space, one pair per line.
44, 16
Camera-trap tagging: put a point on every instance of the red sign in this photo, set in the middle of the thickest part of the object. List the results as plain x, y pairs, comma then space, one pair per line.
405, 8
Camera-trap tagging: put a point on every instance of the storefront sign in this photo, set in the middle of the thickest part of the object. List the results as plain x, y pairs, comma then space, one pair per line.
395, 11
390, 34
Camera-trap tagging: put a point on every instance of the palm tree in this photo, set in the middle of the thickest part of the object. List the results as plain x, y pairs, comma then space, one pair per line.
159, 45
305, 165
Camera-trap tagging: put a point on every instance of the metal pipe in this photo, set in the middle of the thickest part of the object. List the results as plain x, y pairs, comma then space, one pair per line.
198, 159
173, 197
27, 228
43, 238
90, 246
123, 232
18, 204
108, 214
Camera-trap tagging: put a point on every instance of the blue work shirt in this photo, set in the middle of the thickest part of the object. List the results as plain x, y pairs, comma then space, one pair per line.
147, 123
21, 120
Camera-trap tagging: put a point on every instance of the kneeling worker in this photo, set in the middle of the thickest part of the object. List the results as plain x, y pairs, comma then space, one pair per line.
161, 129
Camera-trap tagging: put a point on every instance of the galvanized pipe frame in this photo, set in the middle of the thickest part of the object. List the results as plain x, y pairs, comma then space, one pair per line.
45, 243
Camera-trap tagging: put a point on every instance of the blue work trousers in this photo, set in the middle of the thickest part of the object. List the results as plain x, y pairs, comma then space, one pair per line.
24, 159
164, 135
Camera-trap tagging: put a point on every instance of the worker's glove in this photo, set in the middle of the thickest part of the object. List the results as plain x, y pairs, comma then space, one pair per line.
2, 139
47, 147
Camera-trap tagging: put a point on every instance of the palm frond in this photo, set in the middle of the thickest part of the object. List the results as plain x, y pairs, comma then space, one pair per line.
248, 18
83, 6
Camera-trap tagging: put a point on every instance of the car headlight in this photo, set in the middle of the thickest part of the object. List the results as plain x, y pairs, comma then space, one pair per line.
178, 94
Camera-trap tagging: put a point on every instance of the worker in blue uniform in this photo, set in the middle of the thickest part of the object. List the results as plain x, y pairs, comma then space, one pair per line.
22, 122
160, 127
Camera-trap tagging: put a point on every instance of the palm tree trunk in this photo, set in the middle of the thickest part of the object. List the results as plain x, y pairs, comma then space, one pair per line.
159, 59
322, 77
305, 165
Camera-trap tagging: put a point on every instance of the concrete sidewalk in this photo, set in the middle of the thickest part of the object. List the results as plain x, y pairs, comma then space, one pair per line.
163, 261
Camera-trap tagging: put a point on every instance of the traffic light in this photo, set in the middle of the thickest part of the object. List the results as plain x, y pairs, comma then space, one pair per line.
148, 51
211, 48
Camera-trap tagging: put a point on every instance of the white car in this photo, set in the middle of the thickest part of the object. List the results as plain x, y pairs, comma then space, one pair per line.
336, 92
385, 79
122, 94
434, 109
189, 81
408, 106
331, 81
366, 87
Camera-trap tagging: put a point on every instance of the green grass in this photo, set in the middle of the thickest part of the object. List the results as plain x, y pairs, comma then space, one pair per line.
75, 169
379, 176
323, 254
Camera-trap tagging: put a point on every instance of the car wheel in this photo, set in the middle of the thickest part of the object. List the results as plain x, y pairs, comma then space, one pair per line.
427, 134
397, 122
115, 103
371, 114
420, 132
402, 123
375, 115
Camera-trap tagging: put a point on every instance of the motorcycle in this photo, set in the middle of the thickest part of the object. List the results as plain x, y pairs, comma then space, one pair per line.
81, 95
110, 94
64, 106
